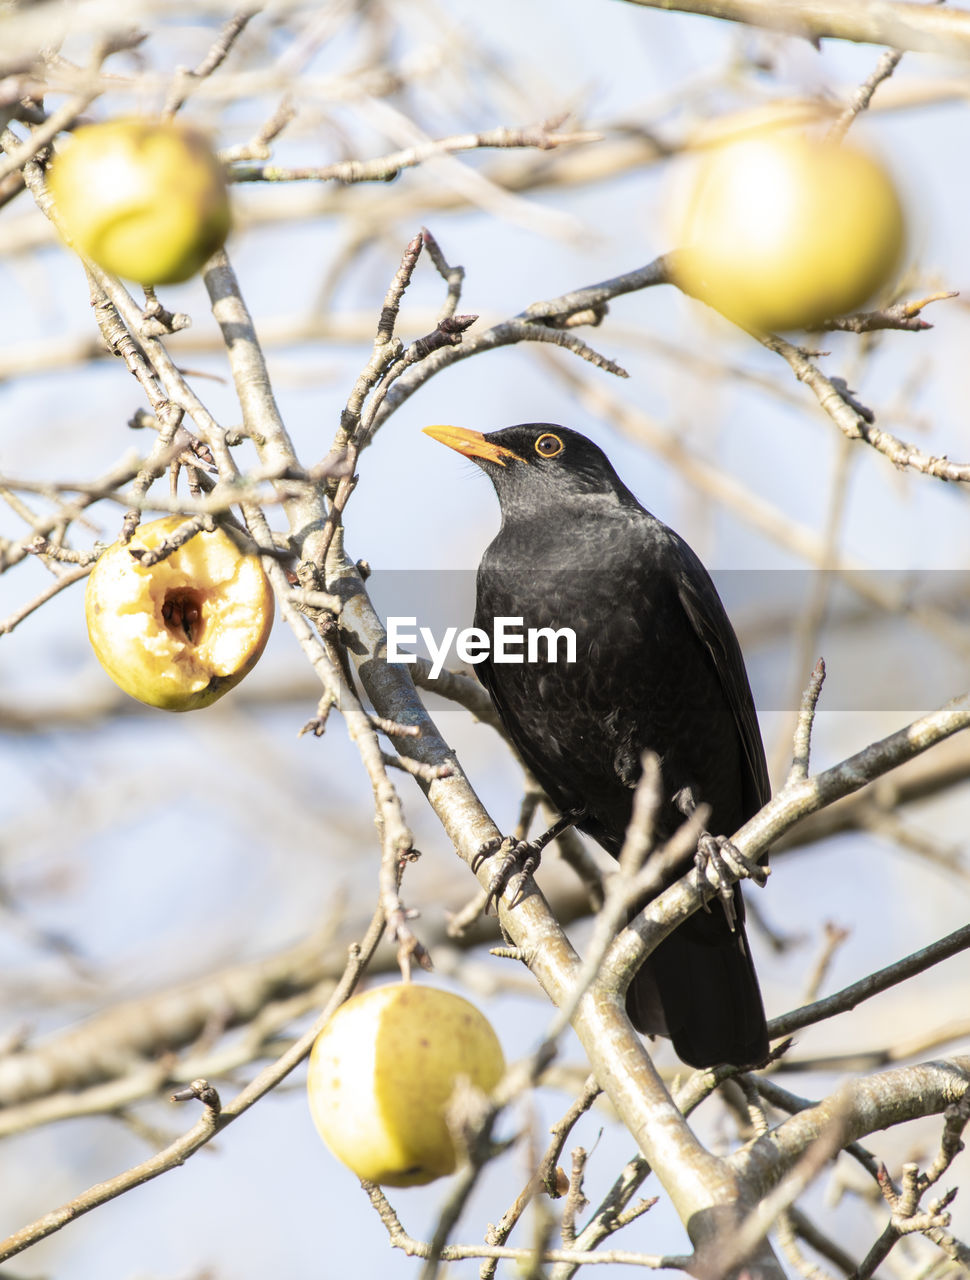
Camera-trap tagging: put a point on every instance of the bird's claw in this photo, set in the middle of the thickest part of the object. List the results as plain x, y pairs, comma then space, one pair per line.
515, 861
712, 867
486, 850
741, 867
718, 860
519, 858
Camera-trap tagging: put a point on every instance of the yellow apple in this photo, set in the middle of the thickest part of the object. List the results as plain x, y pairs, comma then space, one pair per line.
180, 633
143, 199
781, 230
382, 1072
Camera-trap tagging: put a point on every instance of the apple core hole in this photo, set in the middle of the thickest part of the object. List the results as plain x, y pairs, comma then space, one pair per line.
183, 615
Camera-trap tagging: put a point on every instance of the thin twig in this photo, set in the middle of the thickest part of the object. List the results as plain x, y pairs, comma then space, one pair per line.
872, 985
211, 1122
399, 1239
186, 81
384, 168
801, 751
862, 96
899, 23
65, 580
544, 1175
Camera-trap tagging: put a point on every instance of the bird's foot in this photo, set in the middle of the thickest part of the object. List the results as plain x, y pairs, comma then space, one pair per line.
726, 853
711, 860
517, 860
514, 861
721, 862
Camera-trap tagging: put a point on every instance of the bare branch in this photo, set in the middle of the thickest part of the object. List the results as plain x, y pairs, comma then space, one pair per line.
383, 168
211, 1122
400, 1239
17, 154
864, 1106
858, 423
186, 81
803, 731
900, 23
862, 96
901, 315
846, 999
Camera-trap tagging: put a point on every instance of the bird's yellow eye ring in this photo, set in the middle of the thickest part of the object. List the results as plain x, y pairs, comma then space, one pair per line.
549, 446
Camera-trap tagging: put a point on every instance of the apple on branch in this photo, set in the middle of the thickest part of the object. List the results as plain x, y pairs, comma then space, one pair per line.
782, 230
143, 199
179, 633
383, 1072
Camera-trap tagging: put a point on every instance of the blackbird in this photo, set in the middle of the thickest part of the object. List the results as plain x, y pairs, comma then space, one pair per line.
657, 667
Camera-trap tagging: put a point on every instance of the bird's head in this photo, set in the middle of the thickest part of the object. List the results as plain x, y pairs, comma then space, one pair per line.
537, 464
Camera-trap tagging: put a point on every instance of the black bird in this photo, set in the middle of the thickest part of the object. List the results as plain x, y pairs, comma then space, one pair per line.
658, 667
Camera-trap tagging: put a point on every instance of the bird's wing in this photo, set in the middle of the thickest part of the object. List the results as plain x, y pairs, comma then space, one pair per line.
705, 611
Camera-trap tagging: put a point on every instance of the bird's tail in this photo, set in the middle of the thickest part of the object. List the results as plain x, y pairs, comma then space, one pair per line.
700, 988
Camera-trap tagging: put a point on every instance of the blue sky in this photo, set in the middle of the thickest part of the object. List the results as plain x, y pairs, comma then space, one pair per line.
163, 846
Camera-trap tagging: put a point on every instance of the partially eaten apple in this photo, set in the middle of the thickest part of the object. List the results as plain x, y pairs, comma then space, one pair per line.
179, 633
382, 1075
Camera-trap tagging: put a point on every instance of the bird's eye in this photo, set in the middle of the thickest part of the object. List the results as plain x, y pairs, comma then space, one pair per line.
549, 446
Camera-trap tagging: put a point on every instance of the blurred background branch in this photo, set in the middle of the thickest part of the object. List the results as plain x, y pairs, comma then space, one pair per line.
177, 893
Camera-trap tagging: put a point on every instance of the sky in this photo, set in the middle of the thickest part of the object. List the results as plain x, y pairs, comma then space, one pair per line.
162, 846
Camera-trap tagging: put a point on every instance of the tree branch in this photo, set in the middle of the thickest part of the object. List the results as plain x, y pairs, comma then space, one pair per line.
212, 1121
863, 1106
903, 25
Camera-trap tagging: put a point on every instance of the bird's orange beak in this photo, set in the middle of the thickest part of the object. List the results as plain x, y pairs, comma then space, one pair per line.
471, 444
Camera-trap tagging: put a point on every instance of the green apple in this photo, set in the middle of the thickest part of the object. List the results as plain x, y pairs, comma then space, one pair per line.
180, 633
782, 230
382, 1073
145, 200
